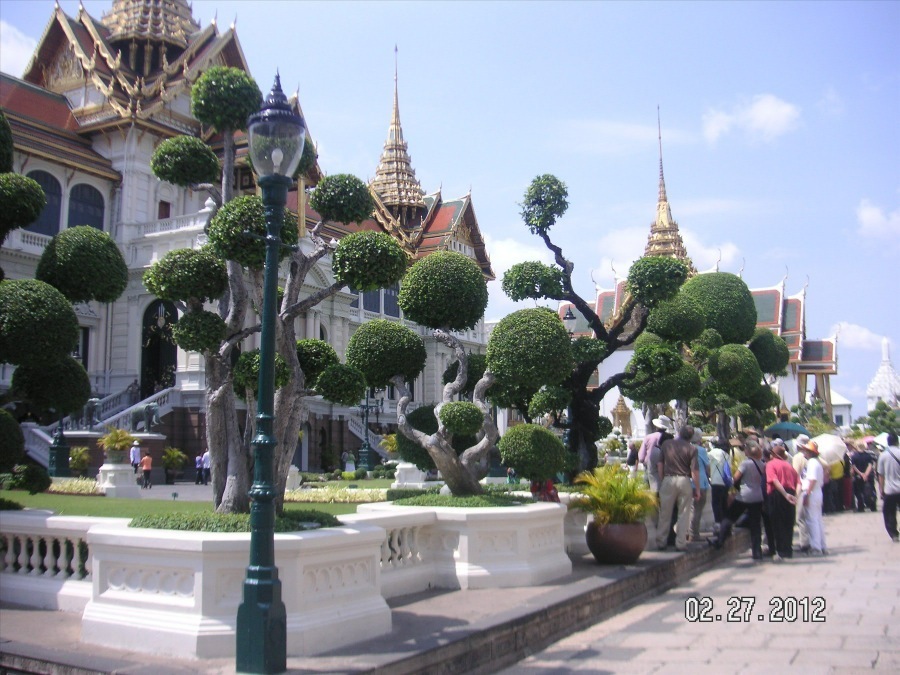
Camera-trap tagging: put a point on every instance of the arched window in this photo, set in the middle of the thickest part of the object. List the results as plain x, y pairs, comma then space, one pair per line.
48, 222
85, 206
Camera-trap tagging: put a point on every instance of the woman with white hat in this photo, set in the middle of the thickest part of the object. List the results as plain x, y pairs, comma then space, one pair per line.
811, 480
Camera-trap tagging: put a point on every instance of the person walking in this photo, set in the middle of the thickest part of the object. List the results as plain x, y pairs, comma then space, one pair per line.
781, 484
698, 505
679, 469
749, 479
798, 461
889, 485
198, 466
146, 467
134, 453
206, 467
862, 467
811, 490
719, 481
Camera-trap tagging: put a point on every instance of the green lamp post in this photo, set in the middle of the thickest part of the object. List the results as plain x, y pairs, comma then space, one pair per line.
365, 450
276, 137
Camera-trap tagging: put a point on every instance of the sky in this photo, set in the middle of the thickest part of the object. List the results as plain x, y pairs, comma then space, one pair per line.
779, 121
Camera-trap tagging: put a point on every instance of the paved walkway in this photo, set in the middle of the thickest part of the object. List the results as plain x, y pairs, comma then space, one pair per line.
858, 631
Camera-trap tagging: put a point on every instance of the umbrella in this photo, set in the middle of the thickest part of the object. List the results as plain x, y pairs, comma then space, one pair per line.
786, 430
868, 439
881, 439
831, 448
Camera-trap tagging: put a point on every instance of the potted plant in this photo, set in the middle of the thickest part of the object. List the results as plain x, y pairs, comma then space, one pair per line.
79, 459
115, 444
173, 460
619, 504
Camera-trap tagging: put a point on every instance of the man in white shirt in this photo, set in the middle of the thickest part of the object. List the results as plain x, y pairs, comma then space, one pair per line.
206, 464
811, 481
889, 485
135, 455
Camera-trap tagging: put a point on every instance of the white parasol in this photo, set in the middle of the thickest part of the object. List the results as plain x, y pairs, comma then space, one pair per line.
831, 448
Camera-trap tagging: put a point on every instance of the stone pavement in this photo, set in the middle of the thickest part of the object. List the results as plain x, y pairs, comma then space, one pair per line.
602, 619
858, 631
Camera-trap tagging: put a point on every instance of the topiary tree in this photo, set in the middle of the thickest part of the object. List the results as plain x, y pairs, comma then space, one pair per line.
12, 442
423, 419
229, 273
447, 292
533, 451
21, 202
54, 388
37, 323
84, 264
651, 281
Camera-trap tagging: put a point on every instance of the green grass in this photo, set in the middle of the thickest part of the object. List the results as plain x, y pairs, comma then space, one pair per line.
108, 507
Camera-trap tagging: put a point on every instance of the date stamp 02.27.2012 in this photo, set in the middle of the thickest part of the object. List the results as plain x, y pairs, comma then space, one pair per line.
740, 609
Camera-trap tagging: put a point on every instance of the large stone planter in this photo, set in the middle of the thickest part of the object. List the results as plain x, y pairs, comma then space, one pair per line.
500, 547
616, 544
177, 593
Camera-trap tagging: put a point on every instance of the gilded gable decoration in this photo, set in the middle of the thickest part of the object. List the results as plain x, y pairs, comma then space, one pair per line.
65, 71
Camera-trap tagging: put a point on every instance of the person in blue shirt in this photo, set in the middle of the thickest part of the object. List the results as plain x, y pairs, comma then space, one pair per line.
697, 505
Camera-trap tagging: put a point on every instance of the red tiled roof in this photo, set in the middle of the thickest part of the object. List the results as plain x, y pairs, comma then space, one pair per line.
38, 104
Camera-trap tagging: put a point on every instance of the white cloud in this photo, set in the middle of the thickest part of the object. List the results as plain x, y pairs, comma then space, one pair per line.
705, 257
16, 49
876, 223
853, 336
765, 117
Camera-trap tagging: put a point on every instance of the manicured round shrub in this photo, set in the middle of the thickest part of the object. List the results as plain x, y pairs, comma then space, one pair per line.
30, 477
530, 348
533, 451
381, 349
736, 368
770, 350
367, 260
12, 441
588, 349
307, 159
683, 384
62, 386
341, 384
314, 357
677, 320
461, 417
185, 161
187, 275
21, 202
533, 280
423, 419
545, 200
37, 323
653, 279
84, 264
342, 198
224, 97
763, 398
726, 304
201, 331
229, 228
549, 400
246, 373
444, 290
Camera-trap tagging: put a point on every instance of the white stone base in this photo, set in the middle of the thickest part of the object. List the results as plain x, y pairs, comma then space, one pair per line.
177, 593
500, 547
118, 480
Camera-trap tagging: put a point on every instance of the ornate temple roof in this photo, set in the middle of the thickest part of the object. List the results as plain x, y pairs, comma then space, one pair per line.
885, 386
132, 65
664, 238
168, 21
395, 183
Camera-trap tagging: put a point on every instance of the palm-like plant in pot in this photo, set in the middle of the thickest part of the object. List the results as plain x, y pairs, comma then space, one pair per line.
115, 443
619, 505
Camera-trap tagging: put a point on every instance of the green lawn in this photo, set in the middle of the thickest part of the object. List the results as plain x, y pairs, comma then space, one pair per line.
107, 507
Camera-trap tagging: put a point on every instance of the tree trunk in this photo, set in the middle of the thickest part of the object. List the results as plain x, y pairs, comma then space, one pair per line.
229, 462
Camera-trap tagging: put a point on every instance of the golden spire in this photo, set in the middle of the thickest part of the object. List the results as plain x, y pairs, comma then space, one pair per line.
158, 21
664, 239
395, 180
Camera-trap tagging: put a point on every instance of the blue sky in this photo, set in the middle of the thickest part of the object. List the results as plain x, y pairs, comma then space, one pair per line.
779, 122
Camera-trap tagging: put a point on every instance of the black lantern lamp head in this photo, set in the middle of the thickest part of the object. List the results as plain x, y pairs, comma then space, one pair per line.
569, 320
276, 135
